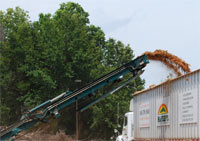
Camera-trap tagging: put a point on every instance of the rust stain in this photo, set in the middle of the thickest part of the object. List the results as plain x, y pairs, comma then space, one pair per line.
170, 60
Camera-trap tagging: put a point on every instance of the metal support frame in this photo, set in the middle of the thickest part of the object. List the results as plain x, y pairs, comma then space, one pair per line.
106, 94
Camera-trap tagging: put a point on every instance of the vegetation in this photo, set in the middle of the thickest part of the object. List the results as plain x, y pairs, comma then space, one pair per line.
41, 59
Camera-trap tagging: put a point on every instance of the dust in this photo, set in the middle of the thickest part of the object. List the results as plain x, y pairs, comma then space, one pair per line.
171, 61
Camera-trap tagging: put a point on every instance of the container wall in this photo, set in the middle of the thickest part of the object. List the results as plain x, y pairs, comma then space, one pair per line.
170, 110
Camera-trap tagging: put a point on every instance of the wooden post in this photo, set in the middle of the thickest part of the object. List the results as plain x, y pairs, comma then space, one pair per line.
77, 122
78, 81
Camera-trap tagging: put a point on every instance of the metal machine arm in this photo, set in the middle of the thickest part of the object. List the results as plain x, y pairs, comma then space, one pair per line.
53, 106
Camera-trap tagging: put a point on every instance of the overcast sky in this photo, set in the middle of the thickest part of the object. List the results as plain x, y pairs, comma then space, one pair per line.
146, 25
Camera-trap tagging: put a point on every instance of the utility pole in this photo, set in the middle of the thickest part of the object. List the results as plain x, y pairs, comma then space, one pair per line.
1, 33
77, 114
118, 124
77, 121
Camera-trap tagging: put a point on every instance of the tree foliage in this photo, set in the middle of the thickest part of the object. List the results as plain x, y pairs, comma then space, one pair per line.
41, 59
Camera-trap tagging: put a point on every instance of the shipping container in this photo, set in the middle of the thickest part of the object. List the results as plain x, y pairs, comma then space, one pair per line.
170, 110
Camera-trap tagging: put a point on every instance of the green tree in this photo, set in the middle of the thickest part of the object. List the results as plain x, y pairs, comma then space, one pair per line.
104, 119
41, 59
17, 43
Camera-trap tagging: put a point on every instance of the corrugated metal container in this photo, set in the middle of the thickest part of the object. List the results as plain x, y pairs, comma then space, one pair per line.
170, 110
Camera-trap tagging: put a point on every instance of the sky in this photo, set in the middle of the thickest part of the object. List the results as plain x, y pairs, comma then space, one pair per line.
147, 25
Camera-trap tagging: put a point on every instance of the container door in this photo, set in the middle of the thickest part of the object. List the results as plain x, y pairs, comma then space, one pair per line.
130, 127
125, 129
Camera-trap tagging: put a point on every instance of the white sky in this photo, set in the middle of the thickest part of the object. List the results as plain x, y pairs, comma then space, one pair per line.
146, 25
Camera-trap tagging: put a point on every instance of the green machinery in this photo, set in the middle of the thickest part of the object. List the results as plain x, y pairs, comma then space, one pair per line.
52, 107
